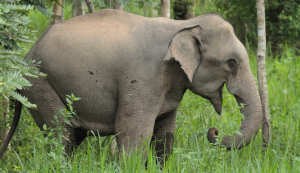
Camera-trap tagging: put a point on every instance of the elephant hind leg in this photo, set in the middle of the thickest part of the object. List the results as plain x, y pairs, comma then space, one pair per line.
48, 103
47, 113
163, 137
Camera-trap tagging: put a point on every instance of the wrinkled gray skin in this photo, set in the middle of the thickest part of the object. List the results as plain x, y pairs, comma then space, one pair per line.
131, 73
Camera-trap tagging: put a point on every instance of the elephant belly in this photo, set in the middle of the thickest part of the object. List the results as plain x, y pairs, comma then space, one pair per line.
97, 106
96, 114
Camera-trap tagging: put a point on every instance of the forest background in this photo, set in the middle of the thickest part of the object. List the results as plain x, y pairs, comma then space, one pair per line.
23, 21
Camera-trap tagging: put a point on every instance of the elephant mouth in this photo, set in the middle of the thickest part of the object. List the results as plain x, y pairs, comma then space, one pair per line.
217, 100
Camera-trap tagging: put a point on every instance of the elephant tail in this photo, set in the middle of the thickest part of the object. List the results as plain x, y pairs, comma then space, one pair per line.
14, 124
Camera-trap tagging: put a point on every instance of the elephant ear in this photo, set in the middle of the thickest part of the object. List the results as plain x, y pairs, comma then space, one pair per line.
185, 48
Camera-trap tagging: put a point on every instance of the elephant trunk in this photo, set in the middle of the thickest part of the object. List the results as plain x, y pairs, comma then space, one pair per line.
243, 87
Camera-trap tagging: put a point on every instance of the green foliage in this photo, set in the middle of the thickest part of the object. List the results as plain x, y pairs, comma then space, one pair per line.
143, 7
67, 11
12, 78
39, 21
70, 112
14, 31
282, 20
13, 25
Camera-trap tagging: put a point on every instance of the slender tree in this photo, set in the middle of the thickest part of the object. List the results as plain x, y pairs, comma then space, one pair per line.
77, 8
261, 69
165, 8
90, 6
58, 12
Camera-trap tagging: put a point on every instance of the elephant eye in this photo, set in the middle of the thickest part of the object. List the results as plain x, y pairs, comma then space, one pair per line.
233, 65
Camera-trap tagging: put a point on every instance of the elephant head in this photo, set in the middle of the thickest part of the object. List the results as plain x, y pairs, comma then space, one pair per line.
211, 55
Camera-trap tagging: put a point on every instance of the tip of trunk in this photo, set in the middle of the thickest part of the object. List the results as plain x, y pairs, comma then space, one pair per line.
229, 142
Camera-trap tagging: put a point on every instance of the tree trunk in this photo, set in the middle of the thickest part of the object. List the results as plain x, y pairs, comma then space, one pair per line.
77, 8
183, 9
165, 8
261, 70
90, 6
58, 11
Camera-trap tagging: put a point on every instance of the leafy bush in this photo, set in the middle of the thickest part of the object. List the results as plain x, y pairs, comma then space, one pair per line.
13, 22
13, 69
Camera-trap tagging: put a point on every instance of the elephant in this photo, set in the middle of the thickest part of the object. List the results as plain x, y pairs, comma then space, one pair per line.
131, 73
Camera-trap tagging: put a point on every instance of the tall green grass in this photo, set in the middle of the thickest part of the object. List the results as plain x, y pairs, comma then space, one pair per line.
30, 151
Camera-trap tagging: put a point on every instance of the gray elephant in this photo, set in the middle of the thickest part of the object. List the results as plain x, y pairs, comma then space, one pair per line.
131, 73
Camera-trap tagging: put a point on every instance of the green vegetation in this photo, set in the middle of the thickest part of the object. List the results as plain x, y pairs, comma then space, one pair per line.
14, 32
31, 151
282, 20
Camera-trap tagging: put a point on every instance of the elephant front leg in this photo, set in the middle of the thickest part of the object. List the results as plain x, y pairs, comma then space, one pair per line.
133, 132
135, 118
163, 136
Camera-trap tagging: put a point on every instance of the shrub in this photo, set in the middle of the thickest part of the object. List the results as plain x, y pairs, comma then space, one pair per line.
13, 69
